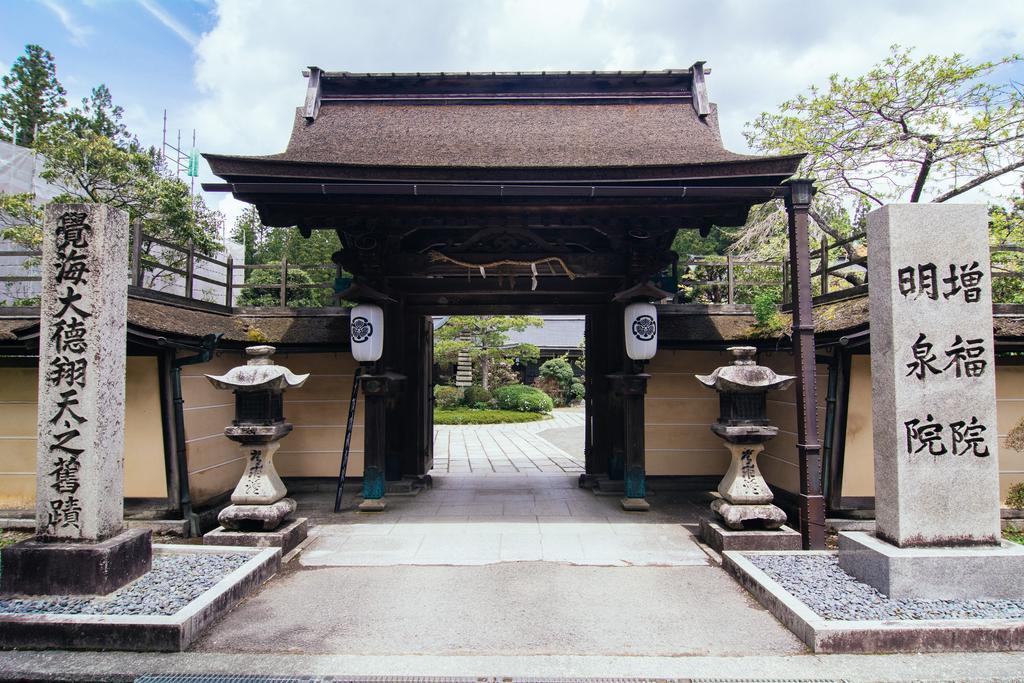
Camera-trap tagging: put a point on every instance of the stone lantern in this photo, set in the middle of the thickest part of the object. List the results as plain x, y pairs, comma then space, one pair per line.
258, 503
746, 500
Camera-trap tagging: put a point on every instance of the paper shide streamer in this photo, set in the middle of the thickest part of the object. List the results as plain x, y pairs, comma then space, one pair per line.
482, 267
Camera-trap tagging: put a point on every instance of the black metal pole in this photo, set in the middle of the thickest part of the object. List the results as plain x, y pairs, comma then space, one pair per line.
346, 448
812, 503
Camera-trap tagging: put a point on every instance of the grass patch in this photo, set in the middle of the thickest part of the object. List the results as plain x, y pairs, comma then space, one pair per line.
478, 416
11, 537
1014, 533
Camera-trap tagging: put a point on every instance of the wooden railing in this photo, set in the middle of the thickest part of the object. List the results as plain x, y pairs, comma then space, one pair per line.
729, 274
724, 279
182, 262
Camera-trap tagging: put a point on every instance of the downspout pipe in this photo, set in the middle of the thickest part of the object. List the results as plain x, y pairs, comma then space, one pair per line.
205, 354
828, 440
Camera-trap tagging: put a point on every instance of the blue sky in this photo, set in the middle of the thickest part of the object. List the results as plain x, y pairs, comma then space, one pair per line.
146, 63
231, 68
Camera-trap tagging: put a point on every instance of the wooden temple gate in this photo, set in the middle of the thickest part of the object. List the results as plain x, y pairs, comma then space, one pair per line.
521, 193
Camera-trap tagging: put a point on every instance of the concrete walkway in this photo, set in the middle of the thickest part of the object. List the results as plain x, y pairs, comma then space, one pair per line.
479, 519
501, 564
364, 610
509, 448
754, 666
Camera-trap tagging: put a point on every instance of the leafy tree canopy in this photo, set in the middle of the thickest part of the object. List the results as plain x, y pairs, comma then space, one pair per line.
32, 96
486, 339
91, 156
266, 245
909, 129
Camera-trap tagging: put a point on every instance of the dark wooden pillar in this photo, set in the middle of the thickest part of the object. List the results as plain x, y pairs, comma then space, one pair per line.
632, 386
598, 438
396, 360
378, 389
812, 503
416, 416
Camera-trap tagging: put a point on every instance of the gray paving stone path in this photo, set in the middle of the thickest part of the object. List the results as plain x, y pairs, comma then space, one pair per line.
509, 448
482, 519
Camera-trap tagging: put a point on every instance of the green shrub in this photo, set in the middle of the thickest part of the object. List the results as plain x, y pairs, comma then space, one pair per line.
576, 393
765, 306
558, 374
471, 416
295, 297
1014, 533
523, 398
557, 369
476, 394
446, 396
1015, 496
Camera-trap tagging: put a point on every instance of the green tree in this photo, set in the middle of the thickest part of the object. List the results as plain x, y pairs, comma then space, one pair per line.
250, 232
21, 221
312, 255
268, 293
32, 96
486, 339
88, 165
1006, 234
98, 115
910, 129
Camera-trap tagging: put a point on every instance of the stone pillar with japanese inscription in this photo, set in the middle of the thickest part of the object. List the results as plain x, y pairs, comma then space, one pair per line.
933, 409
83, 317
933, 376
80, 544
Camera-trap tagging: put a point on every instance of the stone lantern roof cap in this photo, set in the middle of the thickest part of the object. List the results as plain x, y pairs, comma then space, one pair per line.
260, 373
745, 376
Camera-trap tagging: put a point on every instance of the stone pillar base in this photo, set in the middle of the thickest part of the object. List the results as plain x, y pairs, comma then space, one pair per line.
256, 517
58, 568
962, 573
722, 539
285, 538
372, 505
635, 504
736, 517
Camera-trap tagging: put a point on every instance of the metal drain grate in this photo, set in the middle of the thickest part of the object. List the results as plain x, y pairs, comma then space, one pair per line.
247, 678
223, 678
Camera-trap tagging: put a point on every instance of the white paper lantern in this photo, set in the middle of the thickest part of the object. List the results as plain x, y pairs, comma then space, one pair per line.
366, 332
641, 331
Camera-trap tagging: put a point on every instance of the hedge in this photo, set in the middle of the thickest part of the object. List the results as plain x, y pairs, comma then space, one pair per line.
523, 398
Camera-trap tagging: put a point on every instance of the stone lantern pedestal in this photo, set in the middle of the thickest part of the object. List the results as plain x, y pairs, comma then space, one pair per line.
259, 506
745, 518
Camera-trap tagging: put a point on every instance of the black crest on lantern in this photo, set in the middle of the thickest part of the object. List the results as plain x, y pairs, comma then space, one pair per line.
644, 328
362, 329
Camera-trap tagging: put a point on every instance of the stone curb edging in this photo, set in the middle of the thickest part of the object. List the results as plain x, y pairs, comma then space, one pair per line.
870, 637
173, 633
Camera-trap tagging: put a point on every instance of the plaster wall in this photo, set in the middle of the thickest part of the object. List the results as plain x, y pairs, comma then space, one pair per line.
145, 473
318, 411
859, 469
780, 462
679, 412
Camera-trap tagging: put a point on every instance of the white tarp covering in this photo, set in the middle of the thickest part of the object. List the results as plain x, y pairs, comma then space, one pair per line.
19, 173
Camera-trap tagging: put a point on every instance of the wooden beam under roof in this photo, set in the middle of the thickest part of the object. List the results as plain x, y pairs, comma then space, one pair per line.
314, 94
701, 104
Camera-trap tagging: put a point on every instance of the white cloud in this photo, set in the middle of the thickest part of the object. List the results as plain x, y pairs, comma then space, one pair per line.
77, 30
175, 26
248, 66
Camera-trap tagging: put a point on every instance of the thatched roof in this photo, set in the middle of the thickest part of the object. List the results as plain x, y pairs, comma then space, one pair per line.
508, 135
623, 120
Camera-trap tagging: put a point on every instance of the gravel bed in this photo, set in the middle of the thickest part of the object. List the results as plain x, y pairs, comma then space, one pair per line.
174, 581
818, 582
